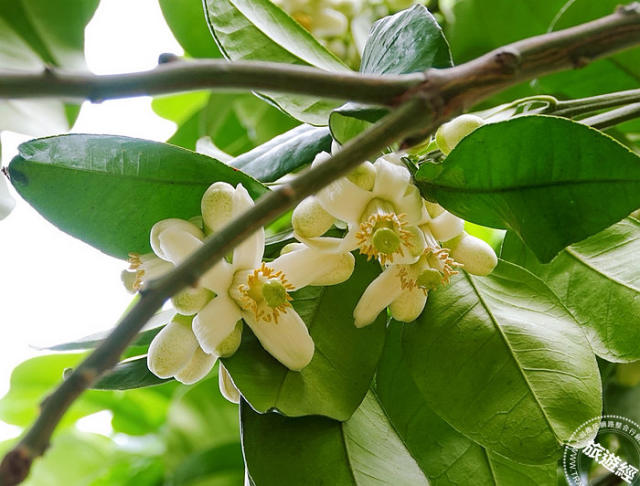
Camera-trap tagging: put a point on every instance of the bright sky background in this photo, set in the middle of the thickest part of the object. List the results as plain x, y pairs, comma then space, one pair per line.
55, 288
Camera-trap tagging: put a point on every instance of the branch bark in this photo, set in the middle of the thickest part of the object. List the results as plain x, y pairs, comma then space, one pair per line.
421, 107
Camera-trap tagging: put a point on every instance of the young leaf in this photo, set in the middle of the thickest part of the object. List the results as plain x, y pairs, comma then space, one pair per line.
550, 180
187, 22
502, 361
258, 30
445, 455
284, 153
345, 358
407, 42
316, 450
110, 190
599, 282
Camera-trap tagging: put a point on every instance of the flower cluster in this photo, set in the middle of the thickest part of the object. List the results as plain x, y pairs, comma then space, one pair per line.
419, 244
341, 25
242, 288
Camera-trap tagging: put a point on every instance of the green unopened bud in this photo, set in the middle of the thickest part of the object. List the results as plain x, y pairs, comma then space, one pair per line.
217, 206
274, 293
309, 219
429, 279
450, 134
477, 257
190, 301
363, 176
385, 240
231, 343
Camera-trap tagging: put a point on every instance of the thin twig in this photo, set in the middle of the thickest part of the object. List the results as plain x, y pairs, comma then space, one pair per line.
439, 97
190, 75
612, 118
584, 106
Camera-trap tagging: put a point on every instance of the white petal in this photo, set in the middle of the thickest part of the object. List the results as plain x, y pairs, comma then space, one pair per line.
241, 201
377, 296
171, 350
344, 200
408, 306
7, 202
218, 278
226, 385
176, 224
176, 244
412, 206
288, 341
391, 180
446, 226
215, 323
247, 254
308, 266
330, 244
199, 366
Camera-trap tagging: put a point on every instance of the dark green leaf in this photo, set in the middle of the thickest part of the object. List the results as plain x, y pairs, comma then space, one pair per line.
127, 375
552, 181
502, 361
406, 42
285, 153
338, 377
598, 280
446, 456
210, 465
258, 30
316, 450
109, 190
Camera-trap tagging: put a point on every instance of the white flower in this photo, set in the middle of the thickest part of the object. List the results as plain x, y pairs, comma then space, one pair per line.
244, 287
7, 203
450, 133
174, 352
379, 204
226, 385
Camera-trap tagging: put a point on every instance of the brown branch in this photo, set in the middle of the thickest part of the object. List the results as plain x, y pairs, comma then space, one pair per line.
441, 96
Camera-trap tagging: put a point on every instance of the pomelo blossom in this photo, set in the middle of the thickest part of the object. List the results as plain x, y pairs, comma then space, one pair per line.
243, 287
7, 203
380, 206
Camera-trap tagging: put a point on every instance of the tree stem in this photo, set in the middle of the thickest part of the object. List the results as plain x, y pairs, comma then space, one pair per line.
583, 106
611, 118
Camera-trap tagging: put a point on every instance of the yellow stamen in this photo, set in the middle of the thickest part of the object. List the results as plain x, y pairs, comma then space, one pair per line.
259, 294
372, 243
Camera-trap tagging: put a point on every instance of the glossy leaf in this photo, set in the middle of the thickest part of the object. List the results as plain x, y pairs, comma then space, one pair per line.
110, 190
127, 375
285, 153
407, 42
445, 455
338, 377
502, 361
598, 280
258, 30
316, 450
545, 178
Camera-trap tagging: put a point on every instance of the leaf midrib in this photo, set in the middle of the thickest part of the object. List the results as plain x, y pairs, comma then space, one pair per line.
527, 187
576, 256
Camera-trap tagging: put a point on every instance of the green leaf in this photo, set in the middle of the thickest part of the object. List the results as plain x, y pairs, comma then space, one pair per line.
445, 455
285, 153
258, 30
502, 361
187, 22
210, 465
552, 181
110, 190
316, 450
407, 42
338, 377
614, 73
127, 375
599, 282
34, 34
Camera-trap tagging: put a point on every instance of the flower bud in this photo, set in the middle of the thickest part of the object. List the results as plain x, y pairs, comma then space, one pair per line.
450, 134
446, 226
174, 223
191, 300
217, 206
172, 348
475, 254
197, 368
408, 306
309, 218
339, 267
364, 176
227, 388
